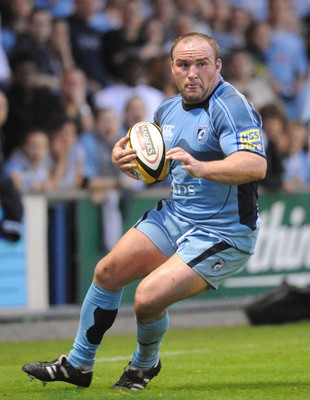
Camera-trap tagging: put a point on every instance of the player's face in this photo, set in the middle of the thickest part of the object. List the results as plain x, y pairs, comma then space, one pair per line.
195, 69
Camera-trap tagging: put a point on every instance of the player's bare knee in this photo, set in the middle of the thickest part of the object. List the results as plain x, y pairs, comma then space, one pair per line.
105, 276
146, 307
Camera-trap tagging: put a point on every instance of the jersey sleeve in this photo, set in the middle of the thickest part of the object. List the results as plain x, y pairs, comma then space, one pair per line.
246, 139
236, 123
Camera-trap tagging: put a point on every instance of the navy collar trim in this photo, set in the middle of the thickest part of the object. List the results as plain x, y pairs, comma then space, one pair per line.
204, 104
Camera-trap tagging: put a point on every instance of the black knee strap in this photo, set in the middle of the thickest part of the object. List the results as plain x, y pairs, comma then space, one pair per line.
104, 319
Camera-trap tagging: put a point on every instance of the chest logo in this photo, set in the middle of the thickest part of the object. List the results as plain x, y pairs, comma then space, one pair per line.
167, 131
202, 134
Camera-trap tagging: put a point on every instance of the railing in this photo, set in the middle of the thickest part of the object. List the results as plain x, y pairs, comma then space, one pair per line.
54, 261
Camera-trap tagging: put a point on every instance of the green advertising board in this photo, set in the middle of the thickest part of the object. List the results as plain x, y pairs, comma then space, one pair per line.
283, 247
282, 251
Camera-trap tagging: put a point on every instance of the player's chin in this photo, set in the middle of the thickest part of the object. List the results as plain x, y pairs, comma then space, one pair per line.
192, 97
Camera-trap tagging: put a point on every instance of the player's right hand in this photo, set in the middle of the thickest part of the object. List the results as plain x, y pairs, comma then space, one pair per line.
123, 157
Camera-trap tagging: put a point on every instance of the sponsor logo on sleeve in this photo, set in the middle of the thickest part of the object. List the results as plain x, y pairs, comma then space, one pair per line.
251, 140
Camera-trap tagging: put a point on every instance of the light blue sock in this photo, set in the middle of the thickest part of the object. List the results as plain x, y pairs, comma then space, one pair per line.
98, 314
149, 337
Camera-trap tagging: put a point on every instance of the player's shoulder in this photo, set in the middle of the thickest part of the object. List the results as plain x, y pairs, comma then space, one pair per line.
226, 93
227, 100
167, 105
170, 101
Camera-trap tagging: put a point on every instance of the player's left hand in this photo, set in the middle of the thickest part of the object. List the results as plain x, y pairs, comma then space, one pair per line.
189, 163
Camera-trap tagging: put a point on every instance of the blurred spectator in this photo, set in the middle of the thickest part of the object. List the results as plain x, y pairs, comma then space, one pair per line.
120, 44
160, 77
240, 21
188, 7
182, 24
67, 156
258, 8
111, 17
165, 11
74, 99
258, 40
219, 25
296, 176
86, 43
116, 95
29, 105
102, 176
286, 57
135, 111
200, 11
16, 23
153, 38
306, 33
239, 71
10, 199
36, 42
206, 15
99, 143
58, 8
107, 15
61, 44
302, 8
5, 70
29, 166
276, 145
304, 103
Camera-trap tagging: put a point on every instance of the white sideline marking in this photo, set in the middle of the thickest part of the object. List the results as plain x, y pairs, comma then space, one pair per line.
164, 353
196, 351
168, 353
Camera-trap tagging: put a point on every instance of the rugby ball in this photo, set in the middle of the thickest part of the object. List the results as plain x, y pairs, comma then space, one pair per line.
146, 138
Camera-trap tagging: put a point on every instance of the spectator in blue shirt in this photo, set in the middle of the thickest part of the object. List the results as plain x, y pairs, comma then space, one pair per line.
296, 176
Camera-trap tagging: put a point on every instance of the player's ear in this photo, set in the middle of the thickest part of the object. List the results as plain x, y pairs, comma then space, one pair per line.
171, 67
218, 65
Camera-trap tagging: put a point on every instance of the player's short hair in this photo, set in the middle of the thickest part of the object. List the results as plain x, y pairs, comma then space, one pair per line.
208, 38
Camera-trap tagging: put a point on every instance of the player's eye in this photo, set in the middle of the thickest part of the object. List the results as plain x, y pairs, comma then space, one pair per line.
182, 64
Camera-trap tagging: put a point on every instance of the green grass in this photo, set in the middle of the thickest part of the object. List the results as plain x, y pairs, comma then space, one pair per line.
231, 363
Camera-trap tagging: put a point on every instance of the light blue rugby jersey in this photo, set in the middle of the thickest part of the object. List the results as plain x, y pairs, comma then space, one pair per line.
220, 126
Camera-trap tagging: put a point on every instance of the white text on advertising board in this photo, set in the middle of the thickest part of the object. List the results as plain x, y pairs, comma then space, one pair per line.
281, 248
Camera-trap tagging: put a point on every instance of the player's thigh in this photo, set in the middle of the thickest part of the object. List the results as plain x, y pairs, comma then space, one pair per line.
173, 281
133, 257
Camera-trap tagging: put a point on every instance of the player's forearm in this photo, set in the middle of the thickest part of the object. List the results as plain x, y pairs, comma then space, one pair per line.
238, 168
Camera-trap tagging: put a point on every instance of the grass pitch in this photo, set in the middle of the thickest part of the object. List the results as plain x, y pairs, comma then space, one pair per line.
235, 363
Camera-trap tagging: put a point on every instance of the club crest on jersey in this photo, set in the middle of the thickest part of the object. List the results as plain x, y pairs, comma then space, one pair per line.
202, 133
250, 140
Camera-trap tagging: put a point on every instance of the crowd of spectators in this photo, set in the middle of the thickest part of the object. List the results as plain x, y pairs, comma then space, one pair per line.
78, 73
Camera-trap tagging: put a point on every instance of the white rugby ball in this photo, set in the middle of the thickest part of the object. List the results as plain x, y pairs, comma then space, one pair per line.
146, 138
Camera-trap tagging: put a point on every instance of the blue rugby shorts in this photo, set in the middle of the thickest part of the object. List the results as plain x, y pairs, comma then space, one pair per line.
207, 254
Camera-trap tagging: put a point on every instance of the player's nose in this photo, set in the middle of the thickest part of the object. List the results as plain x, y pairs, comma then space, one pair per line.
192, 72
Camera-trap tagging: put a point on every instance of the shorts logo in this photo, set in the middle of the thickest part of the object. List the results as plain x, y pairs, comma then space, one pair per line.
202, 134
250, 140
218, 265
